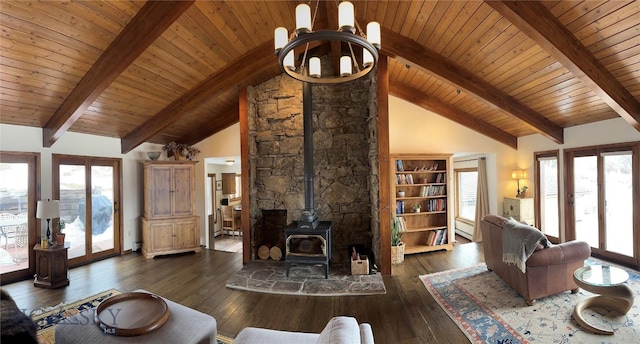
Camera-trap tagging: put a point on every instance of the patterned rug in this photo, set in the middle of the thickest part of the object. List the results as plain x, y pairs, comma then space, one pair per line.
487, 310
47, 320
269, 276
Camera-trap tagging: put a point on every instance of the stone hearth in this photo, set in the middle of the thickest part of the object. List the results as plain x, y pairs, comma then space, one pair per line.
268, 276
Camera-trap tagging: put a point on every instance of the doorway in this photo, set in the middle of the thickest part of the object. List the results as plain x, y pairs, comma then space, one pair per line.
89, 192
602, 200
19, 230
223, 190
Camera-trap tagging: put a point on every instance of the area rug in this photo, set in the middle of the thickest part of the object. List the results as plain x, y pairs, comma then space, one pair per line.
47, 319
268, 276
487, 310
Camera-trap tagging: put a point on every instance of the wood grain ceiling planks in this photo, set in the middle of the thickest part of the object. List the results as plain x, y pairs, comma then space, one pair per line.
535, 20
145, 27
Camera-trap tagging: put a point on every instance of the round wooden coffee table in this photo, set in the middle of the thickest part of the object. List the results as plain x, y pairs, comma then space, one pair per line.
608, 281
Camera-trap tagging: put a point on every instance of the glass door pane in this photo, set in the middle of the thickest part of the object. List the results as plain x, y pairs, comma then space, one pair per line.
585, 179
14, 227
72, 207
102, 200
549, 196
618, 203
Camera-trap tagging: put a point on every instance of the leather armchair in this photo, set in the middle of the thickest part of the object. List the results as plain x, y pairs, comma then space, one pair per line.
549, 270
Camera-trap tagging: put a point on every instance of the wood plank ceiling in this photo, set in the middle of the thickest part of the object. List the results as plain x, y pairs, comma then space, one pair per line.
172, 70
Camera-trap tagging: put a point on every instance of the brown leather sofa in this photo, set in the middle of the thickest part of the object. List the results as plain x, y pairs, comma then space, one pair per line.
548, 270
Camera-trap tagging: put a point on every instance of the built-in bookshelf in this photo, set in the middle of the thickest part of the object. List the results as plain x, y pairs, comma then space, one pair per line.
421, 201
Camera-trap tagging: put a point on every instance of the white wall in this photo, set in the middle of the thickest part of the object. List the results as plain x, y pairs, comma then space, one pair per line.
29, 139
416, 130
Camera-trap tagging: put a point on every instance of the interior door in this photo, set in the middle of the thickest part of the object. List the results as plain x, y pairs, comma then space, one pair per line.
602, 200
89, 193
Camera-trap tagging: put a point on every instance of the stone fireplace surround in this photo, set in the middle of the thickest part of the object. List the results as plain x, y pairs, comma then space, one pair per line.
346, 187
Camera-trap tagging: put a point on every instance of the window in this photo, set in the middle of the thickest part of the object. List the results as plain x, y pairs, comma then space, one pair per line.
548, 203
238, 194
467, 187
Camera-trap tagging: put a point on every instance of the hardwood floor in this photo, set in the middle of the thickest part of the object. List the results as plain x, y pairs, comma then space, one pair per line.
406, 314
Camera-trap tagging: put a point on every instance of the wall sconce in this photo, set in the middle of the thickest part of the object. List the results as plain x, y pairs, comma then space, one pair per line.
517, 175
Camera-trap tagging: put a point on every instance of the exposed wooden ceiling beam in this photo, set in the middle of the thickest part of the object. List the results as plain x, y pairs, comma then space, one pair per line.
223, 120
143, 29
233, 74
405, 49
434, 105
535, 20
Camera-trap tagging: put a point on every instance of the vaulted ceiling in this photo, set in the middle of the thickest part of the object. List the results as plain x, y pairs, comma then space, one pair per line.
172, 70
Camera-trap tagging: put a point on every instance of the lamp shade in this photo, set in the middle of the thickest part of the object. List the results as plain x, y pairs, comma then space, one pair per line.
48, 209
517, 174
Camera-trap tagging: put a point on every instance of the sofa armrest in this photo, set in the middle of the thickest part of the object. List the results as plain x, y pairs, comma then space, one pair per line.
366, 334
560, 254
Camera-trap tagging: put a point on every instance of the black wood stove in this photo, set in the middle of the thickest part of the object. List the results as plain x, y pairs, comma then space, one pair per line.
308, 241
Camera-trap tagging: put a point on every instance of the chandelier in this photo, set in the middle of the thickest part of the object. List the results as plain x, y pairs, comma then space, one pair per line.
309, 69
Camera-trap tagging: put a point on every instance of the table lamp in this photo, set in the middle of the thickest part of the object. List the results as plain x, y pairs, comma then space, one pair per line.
48, 210
517, 175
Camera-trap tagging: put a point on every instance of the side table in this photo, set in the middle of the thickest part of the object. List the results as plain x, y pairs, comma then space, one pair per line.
52, 266
608, 281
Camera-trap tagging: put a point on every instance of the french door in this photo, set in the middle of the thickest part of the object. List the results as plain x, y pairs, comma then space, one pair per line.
89, 192
19, 228
603, 200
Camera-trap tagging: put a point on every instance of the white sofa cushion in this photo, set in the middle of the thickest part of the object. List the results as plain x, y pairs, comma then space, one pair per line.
252, 335
340, 330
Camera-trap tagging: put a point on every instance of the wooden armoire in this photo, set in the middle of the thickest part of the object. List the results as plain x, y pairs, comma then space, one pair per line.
169, 223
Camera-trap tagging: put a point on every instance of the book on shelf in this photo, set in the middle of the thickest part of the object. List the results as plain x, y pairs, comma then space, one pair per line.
399, 166
432, 190
431, 238
445, 238
399, 207
438, 204
439, 236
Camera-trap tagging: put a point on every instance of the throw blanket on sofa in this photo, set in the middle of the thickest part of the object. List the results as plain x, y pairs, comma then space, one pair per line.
519, 241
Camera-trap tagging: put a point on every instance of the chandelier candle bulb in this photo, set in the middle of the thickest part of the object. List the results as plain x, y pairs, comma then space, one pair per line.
281, 37
345, 65
373, 34
303, 19
346, 17
289, 61
314, 67
367, 58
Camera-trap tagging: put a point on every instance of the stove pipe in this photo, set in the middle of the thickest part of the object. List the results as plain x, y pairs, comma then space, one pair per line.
308, 218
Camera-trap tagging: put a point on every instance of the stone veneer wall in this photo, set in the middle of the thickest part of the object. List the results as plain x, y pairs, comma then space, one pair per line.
345, 140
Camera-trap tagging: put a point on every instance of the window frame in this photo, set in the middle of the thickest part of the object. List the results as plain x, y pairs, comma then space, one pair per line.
458, 198
537, 190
